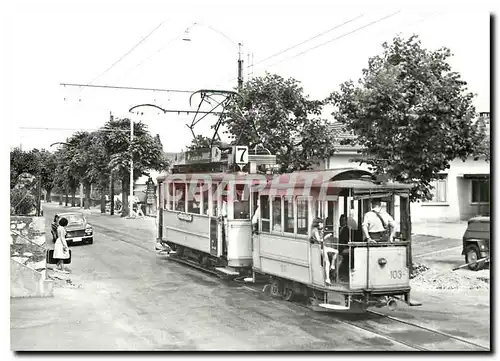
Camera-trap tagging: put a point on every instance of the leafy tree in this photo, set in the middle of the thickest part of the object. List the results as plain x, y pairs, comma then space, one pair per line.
483, 125
275, 113
22, 162
411, 114
201, 142
48, 171
146, 149
67, 169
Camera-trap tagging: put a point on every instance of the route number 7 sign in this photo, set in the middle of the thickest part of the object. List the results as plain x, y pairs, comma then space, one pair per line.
241, 155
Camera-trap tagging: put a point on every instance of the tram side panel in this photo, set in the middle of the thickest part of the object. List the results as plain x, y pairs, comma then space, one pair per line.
282, 257
239, 250
386, 268
189, 230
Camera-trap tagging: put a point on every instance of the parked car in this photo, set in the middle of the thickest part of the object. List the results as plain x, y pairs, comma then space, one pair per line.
476, 241
77, 230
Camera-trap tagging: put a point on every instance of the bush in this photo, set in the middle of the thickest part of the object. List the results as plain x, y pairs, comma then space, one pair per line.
22, 202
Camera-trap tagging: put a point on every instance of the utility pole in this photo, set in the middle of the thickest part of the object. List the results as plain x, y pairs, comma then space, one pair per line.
111, 183
131, 200
240, 68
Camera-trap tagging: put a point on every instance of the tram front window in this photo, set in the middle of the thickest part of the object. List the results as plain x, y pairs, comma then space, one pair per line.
194, 199
180, 197
242, 203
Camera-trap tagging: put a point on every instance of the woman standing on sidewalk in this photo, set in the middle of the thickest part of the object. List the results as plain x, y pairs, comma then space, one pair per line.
61, 250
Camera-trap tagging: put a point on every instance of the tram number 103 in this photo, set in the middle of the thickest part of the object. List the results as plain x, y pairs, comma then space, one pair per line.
396, 275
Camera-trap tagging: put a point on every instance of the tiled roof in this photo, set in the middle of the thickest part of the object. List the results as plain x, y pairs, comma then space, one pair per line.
341, 134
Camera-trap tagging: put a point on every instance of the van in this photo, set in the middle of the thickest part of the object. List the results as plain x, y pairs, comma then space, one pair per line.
476, 241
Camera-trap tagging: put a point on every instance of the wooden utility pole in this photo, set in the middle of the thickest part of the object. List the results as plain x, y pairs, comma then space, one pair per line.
240, 68
112, 194
111, 184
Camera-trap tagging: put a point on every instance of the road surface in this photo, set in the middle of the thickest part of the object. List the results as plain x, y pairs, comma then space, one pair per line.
123, 296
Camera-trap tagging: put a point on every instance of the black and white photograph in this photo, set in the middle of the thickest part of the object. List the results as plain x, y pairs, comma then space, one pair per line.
249, 176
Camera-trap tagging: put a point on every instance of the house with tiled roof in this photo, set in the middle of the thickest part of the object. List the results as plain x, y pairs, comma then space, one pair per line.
460, 193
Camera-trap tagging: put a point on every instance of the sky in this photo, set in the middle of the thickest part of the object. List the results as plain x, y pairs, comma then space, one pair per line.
94, 42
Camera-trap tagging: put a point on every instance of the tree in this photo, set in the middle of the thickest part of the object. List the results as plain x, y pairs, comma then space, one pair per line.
275, 113
147, 152
67, 169
22, 162
411, 114
483, 125
48, 171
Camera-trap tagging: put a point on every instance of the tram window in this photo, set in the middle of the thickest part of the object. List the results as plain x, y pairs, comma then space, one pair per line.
319, 209
180, 197
302, 216
242, 203
193, 199
215, 196
276, 221
168, 196
289, 218
265, 213
205, 203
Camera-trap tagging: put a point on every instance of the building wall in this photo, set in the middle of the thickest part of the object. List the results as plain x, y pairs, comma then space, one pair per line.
458, 205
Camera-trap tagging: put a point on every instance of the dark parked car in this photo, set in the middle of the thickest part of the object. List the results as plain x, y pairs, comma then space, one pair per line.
476, 241
77, 230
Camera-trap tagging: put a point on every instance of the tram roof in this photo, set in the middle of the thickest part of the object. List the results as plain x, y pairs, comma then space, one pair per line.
315, 178
335, 178
363, 184
213, 177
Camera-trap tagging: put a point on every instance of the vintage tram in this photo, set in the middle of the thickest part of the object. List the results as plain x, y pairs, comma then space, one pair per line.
245, 223
365, 274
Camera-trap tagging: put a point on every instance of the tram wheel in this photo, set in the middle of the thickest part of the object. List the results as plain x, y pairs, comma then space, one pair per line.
180, 251
275, 289
288, 294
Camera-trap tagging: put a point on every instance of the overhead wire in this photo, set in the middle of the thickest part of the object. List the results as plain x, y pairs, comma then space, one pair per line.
337, 38
302, 43
155, 53
128, 52
322, 44
307, 40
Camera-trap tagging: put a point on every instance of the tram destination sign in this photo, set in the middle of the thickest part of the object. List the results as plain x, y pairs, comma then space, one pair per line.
202, 155
185, 217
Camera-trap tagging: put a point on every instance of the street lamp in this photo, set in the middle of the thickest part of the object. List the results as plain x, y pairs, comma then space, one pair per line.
187, 37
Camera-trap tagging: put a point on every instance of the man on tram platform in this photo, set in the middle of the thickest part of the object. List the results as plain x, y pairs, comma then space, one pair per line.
378, 225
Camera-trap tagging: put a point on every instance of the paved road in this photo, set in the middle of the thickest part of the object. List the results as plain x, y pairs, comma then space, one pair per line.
131, 299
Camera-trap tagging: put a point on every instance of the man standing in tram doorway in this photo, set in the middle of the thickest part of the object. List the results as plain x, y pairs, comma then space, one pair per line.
378, 225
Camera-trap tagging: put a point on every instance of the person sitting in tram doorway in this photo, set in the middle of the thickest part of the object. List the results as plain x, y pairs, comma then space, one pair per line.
377, 224
317, 236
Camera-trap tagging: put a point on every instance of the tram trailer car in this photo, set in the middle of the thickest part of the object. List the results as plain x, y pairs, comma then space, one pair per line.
206, 219
366, 274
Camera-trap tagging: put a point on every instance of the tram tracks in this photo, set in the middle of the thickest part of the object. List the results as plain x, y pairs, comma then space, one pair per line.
397, 331
411, 336
473, 346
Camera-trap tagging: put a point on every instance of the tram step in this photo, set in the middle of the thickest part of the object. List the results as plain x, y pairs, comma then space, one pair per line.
329, 306
228, 271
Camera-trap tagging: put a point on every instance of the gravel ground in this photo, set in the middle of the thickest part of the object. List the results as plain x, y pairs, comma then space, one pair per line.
438, 279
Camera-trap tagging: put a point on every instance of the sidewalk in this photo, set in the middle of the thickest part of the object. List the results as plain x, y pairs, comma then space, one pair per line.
453, 230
